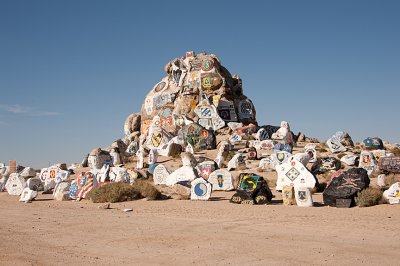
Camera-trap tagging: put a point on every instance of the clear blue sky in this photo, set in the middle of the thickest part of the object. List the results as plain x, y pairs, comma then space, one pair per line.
71, 71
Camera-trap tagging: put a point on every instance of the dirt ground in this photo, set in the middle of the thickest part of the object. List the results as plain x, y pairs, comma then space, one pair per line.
171, 232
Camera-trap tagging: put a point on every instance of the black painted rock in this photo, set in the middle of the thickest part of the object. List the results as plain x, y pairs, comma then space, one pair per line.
346, 186
390, 164
272, 129
324, 165
252, 189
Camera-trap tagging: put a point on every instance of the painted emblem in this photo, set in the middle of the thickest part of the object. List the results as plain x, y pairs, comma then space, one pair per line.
156, 139
200, 189
207, 65
160, 86
292, 174
249, 182
52, 174
206, 83
220, 180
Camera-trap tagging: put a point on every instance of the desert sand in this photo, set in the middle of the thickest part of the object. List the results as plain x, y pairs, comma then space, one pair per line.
172, 232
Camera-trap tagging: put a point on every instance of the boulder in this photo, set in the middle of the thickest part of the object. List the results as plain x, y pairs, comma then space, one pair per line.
390, 164
283, 134
349, 159
324, 165
367, 162
346, 186
61, 191
288, 195
28, 172
237, 162
294, 173
334, 145
97, 158
252, 189
280, 157
180, 191
28, 195
204, 169
160, 175
392, 195
132, 123
185, 173
373, 143
221, 179
200, 189
303, 197
15, 184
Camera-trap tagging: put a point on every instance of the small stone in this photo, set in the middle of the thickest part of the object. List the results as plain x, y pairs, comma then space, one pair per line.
105, 206
127, 210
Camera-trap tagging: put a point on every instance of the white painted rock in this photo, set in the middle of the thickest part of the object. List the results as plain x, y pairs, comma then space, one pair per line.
61, 191
235, 138
61, 176
379, 154
219, 160
236, 162
153, 156
28, 195
262, 134
392, 195
279, 157
301, 157
267, 145
185, 173
189, 148
28, 172
265, 164
103, 175
381, 180
200, 190
283, 134
310, 149
115, 157
221, 179
349, 159
119, 174
367, 162
234, 125
34, 183
303, 196
140, 158
160, 175
334, 145
294, 173
15, 184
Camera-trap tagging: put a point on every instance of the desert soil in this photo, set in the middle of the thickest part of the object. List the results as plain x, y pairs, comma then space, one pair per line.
172, 232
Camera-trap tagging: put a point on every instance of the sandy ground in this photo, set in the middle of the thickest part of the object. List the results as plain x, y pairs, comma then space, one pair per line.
171, 232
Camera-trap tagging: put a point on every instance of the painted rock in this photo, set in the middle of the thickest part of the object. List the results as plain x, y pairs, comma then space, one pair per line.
390, 164
392, 195
346, 186
204, 169
324, 165
301, 157
185, 173
237, 162
367, 161
252, 153
262, 134
310, 149
381, 180
379, 154
252, 189
199, 137
294, 174
349, 159
160, 175
303, 197
265, 164
15, 184
335, 146
288, 196
226, 110
200, 189
119, 174
375, 143
279, 158
221, 180
27, 195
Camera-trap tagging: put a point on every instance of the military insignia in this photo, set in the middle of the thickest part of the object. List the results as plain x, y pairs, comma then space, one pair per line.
160, 86
52, 174
249, 182
204, 134
207, 65
292, 174
156, 139
206, 83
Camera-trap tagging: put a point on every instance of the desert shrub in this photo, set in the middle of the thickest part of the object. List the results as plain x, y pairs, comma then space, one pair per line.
114, 192
369, 197
340, 155
318, 149
147, 190
371, 148
395, 151
229, 156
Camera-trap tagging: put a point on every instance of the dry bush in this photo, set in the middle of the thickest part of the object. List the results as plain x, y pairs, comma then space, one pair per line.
114, 192
321, 150
369, 197
147, 190
340, 155
371, 148
395, 151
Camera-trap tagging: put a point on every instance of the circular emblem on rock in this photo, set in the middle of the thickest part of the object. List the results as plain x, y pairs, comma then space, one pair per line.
159, 86
204, 134
200, 189
207, 65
